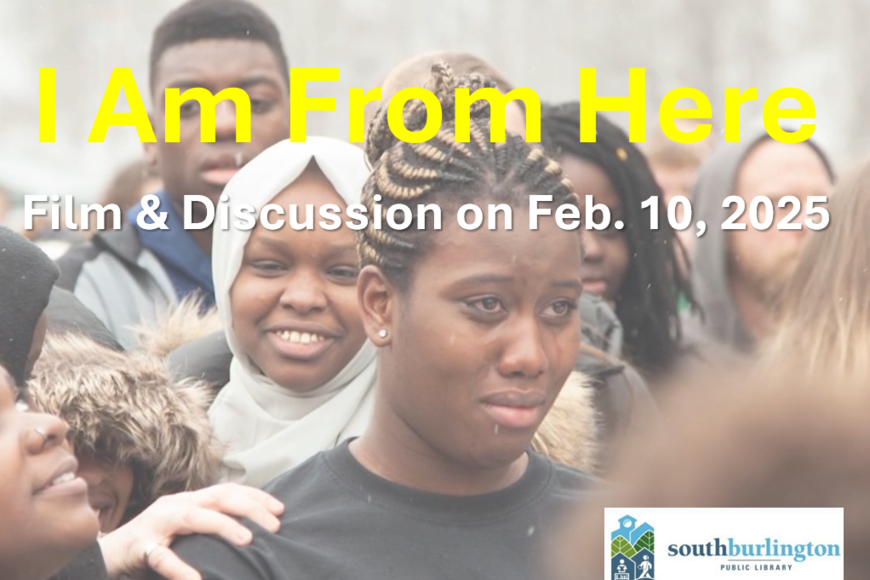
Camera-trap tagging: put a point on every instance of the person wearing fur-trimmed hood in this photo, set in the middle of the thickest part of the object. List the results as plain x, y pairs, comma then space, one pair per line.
138, 435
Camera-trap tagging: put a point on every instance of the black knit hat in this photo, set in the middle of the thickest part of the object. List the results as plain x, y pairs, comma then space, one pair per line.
27, 275
67, 314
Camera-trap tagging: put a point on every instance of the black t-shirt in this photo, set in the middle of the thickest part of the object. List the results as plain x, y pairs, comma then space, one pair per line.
342, 522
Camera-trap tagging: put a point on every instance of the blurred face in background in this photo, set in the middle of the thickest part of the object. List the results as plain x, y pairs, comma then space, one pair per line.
109, 489
761, 261
606, 255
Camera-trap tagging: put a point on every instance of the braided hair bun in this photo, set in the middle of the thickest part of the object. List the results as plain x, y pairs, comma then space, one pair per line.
443, 84
446, 172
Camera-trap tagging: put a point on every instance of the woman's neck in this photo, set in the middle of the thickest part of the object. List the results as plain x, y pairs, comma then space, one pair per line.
392, 450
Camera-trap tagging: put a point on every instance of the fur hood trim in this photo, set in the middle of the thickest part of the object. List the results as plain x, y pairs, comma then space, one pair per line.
182, 323
569, 433
124, 408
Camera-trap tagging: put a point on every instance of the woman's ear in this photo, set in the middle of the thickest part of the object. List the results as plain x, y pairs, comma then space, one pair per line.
377, 304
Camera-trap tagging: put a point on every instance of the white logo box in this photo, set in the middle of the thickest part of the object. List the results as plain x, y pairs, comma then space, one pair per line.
774, 529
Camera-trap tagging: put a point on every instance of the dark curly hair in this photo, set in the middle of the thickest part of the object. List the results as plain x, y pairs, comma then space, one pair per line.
647, 301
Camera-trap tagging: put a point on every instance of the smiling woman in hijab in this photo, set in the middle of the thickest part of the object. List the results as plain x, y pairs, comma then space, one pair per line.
302, 371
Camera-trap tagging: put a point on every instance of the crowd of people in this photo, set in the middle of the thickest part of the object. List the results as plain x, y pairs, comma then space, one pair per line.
237, 404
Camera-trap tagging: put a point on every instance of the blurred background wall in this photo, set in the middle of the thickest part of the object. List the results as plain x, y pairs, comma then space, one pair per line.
820, 46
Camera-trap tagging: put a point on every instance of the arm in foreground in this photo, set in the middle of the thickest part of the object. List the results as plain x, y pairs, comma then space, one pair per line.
209, 511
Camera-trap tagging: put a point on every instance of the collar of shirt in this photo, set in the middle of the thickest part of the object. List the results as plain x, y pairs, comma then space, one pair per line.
187, 266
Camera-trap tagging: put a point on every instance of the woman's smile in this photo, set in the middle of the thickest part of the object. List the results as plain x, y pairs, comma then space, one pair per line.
63, 481
303, 346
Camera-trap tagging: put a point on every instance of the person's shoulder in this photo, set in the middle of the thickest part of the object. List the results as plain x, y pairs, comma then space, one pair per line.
207, 358
216, 559
601, 328
597, 364
616, 377
566, 487
120, 246
563, 480
310, 478
72, 262
569, 479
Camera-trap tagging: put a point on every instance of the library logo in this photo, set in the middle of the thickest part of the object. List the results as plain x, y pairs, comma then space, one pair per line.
632, 550
709, 543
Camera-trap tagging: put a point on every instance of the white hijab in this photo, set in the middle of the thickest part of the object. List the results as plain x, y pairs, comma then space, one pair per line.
267, 428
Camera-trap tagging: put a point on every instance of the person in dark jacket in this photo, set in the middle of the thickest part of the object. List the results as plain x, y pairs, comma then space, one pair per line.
134, 274
55, 527
137, 434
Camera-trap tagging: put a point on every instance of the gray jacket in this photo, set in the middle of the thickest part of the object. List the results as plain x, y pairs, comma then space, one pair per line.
123, 283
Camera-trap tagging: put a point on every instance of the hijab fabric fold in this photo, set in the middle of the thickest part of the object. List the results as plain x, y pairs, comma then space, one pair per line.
266, 428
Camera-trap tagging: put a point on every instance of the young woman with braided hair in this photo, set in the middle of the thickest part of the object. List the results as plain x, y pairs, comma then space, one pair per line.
476, 332
636, 268
620, 395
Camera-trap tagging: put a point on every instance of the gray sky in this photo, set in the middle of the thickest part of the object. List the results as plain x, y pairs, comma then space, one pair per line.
814, 45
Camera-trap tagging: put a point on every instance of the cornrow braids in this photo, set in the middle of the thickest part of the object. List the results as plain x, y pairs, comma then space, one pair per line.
444, 171
647, 303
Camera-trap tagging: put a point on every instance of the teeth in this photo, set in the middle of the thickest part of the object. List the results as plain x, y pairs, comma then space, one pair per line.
300, 337
66, 477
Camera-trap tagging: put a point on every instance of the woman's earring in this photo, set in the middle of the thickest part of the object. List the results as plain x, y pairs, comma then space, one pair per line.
382, 333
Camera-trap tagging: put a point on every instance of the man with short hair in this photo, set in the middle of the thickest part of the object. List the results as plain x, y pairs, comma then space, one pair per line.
135, 274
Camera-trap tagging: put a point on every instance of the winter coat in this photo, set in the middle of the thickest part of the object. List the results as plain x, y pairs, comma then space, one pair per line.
123, 283
125, 409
